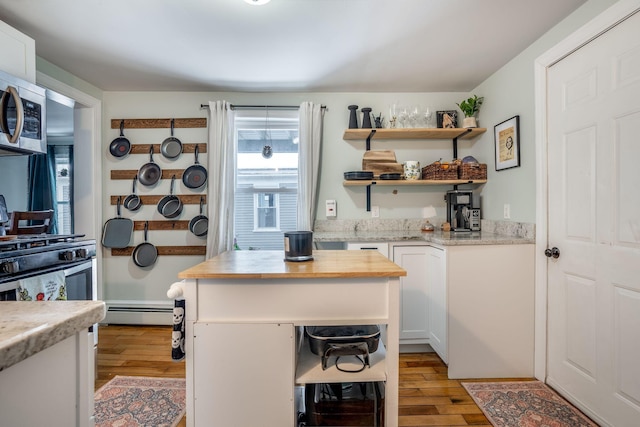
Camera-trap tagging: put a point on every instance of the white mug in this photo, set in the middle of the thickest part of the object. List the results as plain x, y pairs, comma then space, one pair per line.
412, 169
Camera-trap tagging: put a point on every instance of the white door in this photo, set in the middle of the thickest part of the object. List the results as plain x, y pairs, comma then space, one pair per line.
594, 221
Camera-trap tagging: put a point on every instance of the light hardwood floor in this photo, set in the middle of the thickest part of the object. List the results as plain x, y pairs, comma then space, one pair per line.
427, 396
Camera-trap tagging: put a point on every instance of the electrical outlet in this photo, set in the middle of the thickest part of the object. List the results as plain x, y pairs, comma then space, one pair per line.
375, 211
507, 211
331, 208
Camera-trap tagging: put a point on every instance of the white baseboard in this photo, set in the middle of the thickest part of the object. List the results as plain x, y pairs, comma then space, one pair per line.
139, 313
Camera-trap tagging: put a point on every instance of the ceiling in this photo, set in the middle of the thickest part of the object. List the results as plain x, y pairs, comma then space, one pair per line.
285, 45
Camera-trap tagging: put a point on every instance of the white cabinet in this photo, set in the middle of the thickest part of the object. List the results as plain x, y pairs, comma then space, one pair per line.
490, 310
51, 388
18, 53
436, 280
414, 298
254, 362
381, 247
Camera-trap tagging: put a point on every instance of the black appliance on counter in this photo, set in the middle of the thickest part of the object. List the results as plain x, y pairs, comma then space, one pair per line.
460, 212
344, 404
25, 256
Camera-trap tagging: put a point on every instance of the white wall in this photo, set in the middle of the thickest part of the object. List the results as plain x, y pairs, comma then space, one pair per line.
510, 92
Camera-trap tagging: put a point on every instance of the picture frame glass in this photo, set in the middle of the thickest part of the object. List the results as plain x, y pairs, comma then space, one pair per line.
507, 143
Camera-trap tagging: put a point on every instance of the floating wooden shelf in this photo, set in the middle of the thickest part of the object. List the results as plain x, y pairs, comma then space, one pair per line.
199, 122
164, 250
187, 199
186, 148
413, 133
401, 182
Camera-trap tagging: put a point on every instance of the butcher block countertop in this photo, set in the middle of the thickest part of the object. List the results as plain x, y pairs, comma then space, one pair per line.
28, 327
271, 265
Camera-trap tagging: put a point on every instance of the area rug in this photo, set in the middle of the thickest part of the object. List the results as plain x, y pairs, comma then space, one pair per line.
525, 404
140, 401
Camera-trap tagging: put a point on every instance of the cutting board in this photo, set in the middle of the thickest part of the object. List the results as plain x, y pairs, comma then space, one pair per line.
381, 161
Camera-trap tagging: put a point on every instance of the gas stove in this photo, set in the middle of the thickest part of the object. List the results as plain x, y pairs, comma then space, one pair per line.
27, 254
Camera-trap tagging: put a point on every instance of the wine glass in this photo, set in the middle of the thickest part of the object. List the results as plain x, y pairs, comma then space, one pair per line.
393, 116
428, 117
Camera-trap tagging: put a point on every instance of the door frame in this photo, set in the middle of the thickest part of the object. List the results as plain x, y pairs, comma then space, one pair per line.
87, 128
593, 29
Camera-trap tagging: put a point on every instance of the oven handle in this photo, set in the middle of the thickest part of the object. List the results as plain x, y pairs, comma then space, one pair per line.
13, 282
12, 92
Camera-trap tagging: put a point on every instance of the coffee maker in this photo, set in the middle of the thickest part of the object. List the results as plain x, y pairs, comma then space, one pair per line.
460, 213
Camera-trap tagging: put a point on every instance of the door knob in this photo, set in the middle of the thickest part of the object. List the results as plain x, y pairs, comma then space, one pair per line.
553, 252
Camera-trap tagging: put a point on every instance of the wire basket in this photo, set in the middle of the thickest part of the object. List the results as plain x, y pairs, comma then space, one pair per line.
435, 171
472, 171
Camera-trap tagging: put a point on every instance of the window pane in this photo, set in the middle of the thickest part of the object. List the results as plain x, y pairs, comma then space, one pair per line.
261, 215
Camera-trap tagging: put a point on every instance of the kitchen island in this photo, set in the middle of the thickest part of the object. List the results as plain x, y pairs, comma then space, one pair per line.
247, 359
47, 362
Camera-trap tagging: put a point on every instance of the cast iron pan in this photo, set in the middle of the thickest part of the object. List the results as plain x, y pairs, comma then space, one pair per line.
171, 147
358, 175
195, 175
117, 231
145, 254
120, 146
149, 173
170, 206
199, 225
133, 201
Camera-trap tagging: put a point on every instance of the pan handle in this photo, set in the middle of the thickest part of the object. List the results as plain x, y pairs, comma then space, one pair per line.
122, 128
201, 203
197, 151
173, 178
172, 121
133, 189
118, 205
146, 230
151, 154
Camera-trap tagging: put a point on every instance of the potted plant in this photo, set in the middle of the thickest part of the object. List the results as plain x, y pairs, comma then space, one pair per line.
470, 108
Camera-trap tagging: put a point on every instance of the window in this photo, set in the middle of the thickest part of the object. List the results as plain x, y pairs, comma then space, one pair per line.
265, 214
64, 188
266, 177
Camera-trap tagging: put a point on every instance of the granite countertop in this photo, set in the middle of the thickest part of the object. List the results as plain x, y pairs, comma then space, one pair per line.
436, 237
28, 327
271, 265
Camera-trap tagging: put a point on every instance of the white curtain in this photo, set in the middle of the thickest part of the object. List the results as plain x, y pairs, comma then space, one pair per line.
310, 134
221, 182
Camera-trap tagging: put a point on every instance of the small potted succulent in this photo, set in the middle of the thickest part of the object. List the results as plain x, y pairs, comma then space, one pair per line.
470, 108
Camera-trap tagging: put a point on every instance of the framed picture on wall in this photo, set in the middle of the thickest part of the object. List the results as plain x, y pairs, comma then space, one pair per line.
447, 119
507, 143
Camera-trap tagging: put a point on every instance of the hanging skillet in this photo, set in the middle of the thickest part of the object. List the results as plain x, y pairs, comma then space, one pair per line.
171, 147
120, 146
133, 202
149, 173
170, 206
195, 176
117, 231
199, 225
145, 254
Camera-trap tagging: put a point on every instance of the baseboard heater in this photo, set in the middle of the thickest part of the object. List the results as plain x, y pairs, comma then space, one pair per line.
136, 314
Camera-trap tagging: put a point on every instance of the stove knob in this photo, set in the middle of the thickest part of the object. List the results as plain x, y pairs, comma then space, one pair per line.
82, 253
67, 256
10, 267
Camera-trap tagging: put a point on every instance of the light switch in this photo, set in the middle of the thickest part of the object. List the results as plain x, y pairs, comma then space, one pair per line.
331, 208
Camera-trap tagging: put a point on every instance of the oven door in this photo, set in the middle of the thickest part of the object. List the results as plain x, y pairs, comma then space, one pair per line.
80, 279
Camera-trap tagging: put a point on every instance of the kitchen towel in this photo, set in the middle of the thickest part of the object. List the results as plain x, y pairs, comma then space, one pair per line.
45, 287
177, 335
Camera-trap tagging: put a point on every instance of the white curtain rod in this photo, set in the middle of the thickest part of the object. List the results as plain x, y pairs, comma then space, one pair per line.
265, 107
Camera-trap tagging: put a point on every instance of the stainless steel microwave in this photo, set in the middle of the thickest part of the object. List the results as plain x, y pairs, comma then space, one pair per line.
22, 117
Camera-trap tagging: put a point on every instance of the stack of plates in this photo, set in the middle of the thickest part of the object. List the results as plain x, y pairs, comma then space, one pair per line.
358, 175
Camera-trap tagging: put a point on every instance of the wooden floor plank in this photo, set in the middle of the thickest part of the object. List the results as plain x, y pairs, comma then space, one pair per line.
427, 397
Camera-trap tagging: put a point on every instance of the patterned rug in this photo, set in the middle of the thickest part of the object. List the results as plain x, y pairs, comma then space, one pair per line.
525, 404
140, 401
